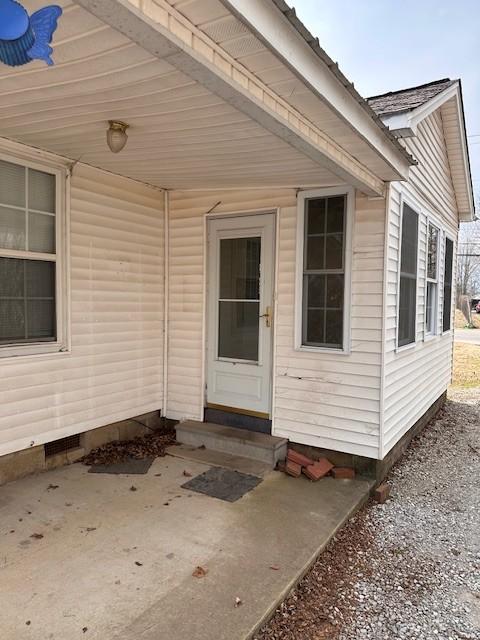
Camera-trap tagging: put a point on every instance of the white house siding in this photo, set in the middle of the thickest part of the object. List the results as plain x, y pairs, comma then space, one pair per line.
114, 370
328, 400
416, 376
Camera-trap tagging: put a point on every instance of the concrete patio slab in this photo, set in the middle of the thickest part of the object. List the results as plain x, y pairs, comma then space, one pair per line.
99, 556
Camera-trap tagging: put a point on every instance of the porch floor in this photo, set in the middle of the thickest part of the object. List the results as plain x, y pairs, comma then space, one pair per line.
117, 563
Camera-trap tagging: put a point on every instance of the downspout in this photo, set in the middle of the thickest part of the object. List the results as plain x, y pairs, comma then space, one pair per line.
166, 251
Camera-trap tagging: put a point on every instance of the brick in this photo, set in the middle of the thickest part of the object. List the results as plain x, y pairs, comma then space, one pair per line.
299, 458
318, 469
382, 493
293, 469
343, 472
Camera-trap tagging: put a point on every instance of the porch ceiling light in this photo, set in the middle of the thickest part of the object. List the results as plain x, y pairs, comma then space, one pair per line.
117, 135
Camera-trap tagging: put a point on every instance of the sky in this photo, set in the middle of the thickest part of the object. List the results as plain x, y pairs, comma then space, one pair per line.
385, 45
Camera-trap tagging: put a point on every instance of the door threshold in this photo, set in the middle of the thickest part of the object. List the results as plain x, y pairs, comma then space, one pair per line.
229, 417
243, 412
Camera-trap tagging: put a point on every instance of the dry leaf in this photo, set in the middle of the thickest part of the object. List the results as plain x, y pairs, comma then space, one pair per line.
200, 572
37, 536
274, 567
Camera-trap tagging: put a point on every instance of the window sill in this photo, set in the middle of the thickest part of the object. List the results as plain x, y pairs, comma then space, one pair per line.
16, 354
338, 352
406, 347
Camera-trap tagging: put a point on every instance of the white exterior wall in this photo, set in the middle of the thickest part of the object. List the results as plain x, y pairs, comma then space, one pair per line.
415, 376
323, 399
114, 370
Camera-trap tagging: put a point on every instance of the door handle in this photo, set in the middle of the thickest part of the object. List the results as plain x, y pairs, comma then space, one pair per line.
268, 316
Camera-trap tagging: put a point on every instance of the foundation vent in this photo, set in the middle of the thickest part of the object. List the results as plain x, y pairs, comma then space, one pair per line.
62, 446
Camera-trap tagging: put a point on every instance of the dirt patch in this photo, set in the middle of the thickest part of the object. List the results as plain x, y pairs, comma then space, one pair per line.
151, 445
466, 365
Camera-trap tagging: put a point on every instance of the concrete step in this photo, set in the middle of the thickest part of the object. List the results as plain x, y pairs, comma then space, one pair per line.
237, 442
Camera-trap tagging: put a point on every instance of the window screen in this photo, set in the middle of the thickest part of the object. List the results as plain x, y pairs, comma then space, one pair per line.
27, 228
324, 272
447, 285
407, 307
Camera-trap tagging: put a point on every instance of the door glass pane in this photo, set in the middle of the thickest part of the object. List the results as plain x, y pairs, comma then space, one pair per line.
41, 191
238, 324
240, 268
12, 228
12, 184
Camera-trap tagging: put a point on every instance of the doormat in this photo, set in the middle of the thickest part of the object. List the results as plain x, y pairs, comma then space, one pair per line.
130, 466
223, 484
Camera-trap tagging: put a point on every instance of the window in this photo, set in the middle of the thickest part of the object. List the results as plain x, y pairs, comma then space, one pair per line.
323, 286
407, 306
447, 285
431, 302
28, 255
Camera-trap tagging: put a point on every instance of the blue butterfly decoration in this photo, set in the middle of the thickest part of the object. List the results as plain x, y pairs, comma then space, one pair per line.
24, 38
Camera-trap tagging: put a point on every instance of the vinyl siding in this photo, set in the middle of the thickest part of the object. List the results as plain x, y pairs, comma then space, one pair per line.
114, 370
416, 376
324, 399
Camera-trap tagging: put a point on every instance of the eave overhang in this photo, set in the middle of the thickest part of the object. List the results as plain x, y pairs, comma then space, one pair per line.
163, 32
404, 124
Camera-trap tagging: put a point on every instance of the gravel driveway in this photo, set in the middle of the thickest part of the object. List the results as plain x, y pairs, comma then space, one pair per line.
408, 569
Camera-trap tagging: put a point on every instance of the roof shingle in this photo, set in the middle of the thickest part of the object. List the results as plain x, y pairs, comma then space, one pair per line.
408, 99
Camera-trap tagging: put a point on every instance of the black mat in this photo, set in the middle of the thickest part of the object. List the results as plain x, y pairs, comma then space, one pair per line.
224, 484
130, 466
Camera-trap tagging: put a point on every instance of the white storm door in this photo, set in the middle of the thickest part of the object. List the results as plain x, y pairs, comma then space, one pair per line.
240, 312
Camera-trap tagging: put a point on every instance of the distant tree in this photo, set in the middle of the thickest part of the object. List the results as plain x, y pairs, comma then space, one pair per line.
468, 264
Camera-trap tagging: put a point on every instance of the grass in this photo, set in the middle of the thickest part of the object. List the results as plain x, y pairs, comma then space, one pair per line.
461, 323
466, 365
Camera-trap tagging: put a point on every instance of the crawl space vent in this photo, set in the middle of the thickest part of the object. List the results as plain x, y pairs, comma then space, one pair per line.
62, 445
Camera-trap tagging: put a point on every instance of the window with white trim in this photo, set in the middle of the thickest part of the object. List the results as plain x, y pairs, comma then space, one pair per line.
447, 285
407, 305
29, 282
431, 291
323, 286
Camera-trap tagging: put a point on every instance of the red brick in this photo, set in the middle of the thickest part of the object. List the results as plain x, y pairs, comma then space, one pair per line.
293, 469
343, 472
318, 469
382, 493
299, 458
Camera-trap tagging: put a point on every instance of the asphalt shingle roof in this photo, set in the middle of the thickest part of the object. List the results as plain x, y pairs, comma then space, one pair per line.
408, 99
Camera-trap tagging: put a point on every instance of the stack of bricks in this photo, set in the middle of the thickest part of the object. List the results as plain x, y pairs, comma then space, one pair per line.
296, 463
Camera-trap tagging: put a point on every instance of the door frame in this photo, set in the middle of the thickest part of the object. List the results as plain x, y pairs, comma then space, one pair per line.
237, 214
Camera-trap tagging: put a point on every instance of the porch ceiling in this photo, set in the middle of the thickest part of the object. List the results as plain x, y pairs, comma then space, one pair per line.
181, 135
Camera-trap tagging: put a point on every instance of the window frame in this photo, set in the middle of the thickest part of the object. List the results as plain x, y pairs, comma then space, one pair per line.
449, 236
42, 161
302, 198
430, 222
417, 209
